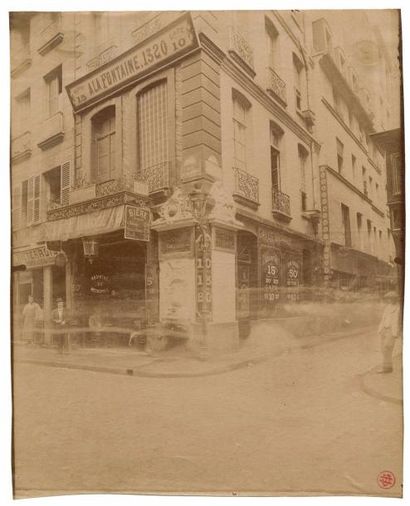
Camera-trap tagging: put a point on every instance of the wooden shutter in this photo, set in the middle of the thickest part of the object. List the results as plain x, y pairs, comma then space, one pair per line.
65, 183
16, 207
30, 195
36, 198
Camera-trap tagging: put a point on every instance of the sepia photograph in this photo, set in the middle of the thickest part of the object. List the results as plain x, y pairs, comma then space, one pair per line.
207, 252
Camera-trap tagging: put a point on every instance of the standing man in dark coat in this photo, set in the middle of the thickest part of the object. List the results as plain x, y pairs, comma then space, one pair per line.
60, 320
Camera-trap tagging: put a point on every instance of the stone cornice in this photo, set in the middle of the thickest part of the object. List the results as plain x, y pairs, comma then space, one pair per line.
276, 226
356, 190
256, 91
343, 124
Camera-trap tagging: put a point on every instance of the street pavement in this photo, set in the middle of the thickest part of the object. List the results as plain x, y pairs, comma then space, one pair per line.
310, 419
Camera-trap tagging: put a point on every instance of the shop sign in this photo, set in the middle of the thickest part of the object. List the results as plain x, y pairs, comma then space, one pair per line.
203, 259
176, 39
224, 239
40, 256
176, 241
270, 260
292, 279
137, 223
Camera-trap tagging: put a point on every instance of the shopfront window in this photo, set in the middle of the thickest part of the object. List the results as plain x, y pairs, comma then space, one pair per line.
103, 125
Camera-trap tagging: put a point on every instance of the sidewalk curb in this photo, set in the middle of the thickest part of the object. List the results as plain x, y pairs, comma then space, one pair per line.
239, 364
372, 392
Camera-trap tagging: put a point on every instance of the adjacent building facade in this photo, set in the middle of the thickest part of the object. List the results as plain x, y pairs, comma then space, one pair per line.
219, 158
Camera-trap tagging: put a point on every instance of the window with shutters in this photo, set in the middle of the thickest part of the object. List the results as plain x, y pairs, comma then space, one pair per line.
276, 134
104, 139
241, 129
153, 135
30, 201
57, 186
54, 83
303, 158
16, 207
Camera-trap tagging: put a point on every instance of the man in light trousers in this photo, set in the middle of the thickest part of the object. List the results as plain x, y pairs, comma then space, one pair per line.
389, 330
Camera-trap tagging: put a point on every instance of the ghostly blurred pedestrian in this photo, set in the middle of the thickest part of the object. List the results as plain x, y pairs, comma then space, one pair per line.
389, 330
31, 313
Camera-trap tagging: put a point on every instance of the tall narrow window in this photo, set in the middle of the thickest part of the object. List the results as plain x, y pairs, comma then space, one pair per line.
365, 190
22, 112
54, 83
241, 109
303, 158
369, 236
346, 225
152, 125
272, 43
353, 167
104, 144
340, 149
275, 140
297, 71
396, 174
359, 230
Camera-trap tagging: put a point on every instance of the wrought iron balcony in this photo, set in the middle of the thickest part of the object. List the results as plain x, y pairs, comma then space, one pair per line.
281, 205
21, 147
276, 86
157, 176
240, 50
246, 188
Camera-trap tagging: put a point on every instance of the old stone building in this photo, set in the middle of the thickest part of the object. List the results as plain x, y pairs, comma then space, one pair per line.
218, 158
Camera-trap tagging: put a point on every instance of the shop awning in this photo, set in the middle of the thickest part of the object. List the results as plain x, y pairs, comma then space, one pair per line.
99, 222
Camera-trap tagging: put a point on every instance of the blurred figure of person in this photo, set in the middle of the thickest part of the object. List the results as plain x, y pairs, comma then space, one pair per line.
31, 313
59, 318
39, 324
96, 324
389, 330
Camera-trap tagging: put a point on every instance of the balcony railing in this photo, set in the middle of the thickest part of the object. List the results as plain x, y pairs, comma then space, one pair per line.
157, 176
246, 188
52, 131
276, 86
240, 49
51, 35
281, 205
21, 147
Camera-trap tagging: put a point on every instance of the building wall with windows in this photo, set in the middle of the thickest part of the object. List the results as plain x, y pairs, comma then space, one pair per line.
255, 112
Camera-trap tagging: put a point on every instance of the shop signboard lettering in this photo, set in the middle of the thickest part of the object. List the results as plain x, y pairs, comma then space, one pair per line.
40, 256
176, 241
173, 41
203, 264
292, 279
270, 260
137, 223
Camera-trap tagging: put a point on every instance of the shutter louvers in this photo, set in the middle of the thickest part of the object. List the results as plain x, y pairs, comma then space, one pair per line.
15, 207
36, 199
30, 199
65, 184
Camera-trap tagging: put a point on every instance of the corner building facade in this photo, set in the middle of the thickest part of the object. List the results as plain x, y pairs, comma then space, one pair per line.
186, 165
